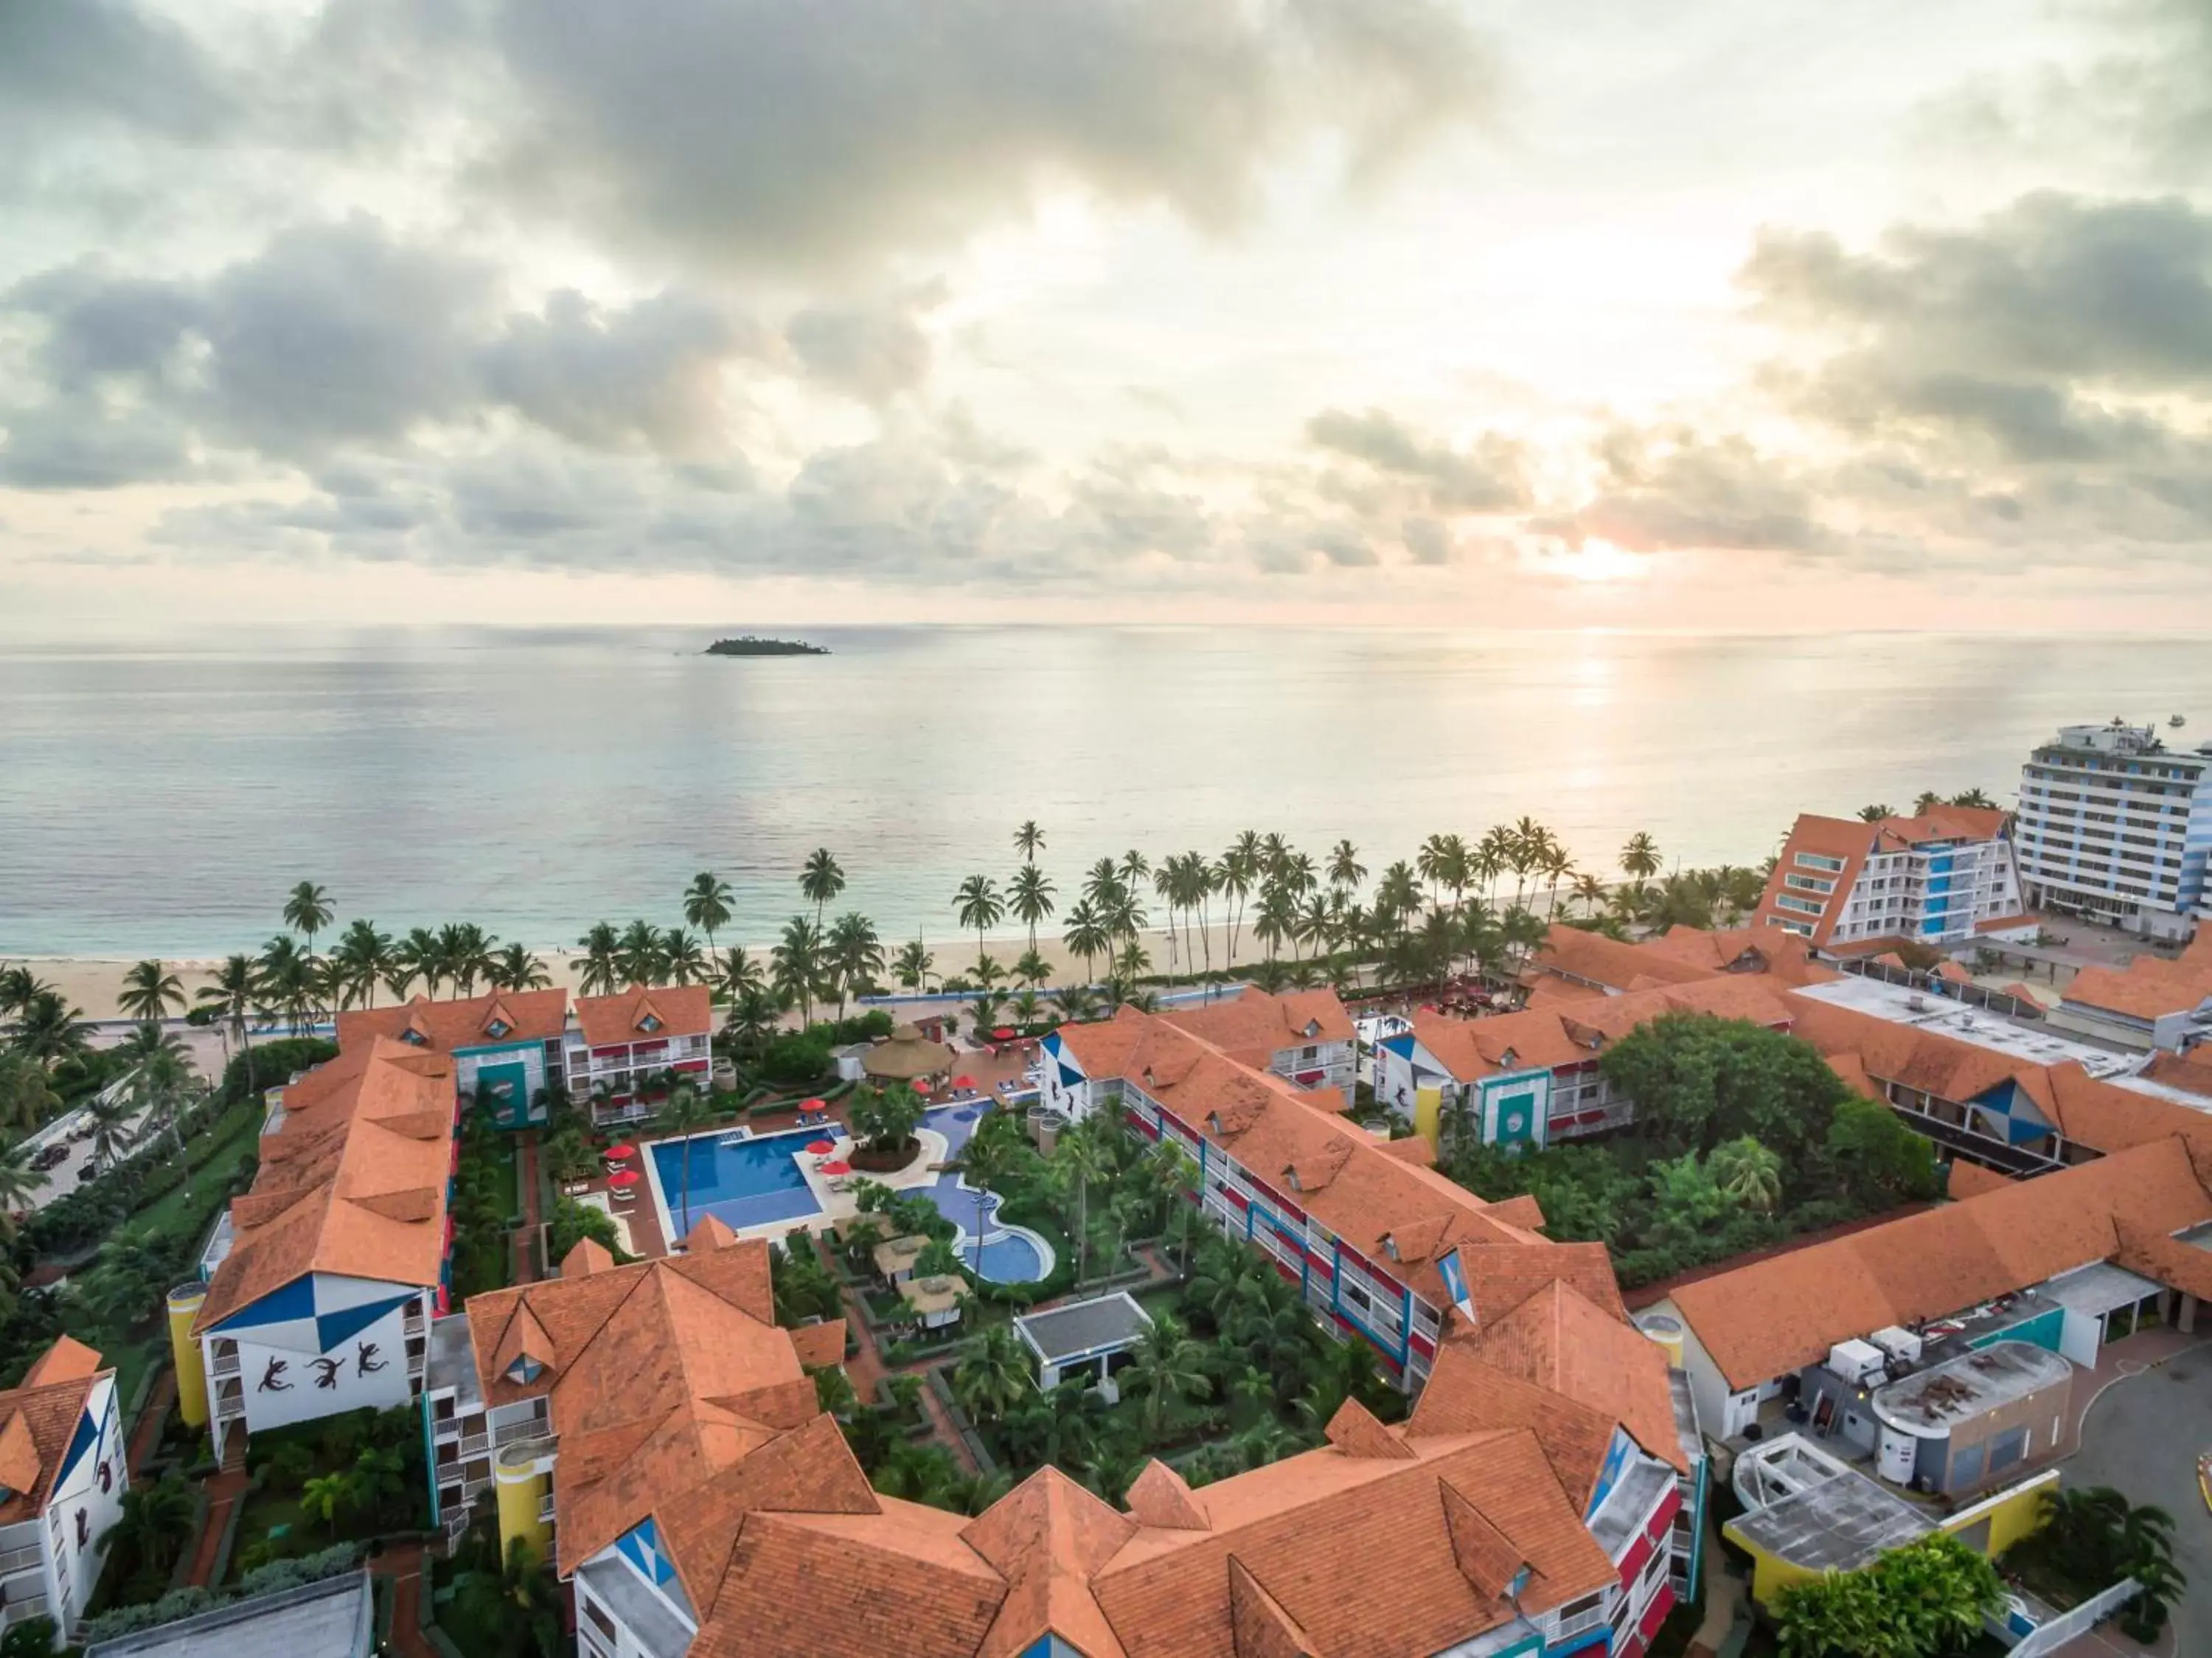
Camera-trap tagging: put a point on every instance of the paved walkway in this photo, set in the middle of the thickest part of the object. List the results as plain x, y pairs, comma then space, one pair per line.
225, 1491
403, 1563
526, 1235
146, 1432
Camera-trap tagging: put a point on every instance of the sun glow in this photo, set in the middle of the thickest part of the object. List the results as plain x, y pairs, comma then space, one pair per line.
1598, 561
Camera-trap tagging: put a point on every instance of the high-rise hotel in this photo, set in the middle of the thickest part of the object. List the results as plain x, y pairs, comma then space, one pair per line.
2116, 826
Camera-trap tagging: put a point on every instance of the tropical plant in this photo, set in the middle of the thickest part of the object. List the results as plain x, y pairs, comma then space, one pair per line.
1748, 1173
854, 955
820, 879
307, 912
978, 905
150, 991
1926, 1598
1876, 812
1029, 840
638, 958
1086, 937
1028, 897
798, 964
600, 972
1639, 857
515, 968
26, 1097
18, 1180
992, 1375
682, 961
707, 904
738, 974
884, 1119
681, 1116
48, 1029
911, 966
1165, 1367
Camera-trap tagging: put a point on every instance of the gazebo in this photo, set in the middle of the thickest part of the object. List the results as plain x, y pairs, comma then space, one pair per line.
905, 1055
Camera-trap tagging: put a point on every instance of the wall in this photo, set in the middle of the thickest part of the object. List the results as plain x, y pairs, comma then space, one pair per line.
80, 1491
289, 1328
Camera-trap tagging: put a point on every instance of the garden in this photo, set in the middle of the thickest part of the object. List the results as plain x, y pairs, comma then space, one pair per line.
1743, 1138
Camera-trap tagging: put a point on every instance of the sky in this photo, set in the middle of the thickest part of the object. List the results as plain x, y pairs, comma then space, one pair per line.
1741, 314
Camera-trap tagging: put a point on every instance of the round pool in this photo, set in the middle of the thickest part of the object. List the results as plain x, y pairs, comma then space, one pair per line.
1011, 1254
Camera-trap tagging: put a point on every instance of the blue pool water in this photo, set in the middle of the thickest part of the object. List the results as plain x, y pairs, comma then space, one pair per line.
747, 1183
759, 1182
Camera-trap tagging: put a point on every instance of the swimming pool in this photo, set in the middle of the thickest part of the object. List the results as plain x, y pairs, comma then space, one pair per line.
762, 1182
740, 1182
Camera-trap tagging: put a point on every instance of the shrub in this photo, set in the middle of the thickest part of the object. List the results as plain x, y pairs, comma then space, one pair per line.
273, 1063
797, 1058
573, 1223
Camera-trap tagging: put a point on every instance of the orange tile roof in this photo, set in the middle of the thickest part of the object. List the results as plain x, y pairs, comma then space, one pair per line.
609, 1021
1574, 1033
1852, 841
1255, 1026
353, 1184
2149, 988
1562, 1341
1574, 953
38, 1420
1779, 1315
2191, 1069
460, 1022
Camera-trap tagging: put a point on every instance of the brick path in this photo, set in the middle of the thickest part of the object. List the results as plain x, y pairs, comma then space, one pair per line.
225, 1491
146, 1432
526, 1235
403, 1563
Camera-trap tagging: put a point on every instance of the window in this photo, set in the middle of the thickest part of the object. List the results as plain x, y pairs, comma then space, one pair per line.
497, 1028
649, 1024
1815, 883
1816, 861
1581, 1608
600, 1621
1805, 906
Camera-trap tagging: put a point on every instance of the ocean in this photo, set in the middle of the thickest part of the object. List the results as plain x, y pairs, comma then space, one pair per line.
161, 800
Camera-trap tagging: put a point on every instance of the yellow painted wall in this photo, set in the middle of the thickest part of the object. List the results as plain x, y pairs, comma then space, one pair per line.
1770, 1573
185, 1301
520, 1492
1428, 1113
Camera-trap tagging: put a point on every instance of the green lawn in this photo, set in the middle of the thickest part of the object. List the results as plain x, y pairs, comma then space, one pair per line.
266, 1511
240, 1133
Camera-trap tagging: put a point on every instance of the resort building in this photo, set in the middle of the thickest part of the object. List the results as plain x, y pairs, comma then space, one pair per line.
507, 1046
333, 1618
2115, 826
1529, 1078
649, 1380
621, 1046
2150, 1003
320, 1284
63, 1473
2065, 1262
1304, 1037
1937, 879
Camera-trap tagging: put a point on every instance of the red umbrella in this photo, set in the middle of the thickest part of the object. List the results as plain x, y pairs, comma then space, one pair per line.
840, 1167
821, 1148
811, 1105
625, 1179
1003, 1033
621, 1153
964, 1081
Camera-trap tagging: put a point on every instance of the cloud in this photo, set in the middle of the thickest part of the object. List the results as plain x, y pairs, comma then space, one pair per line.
106, 63
871, 351
1671, 487
757, 133
1490, 478
341, 335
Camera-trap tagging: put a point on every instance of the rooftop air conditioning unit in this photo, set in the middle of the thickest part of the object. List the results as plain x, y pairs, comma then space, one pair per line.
1917, 1002
1853, 1361
1901, 1345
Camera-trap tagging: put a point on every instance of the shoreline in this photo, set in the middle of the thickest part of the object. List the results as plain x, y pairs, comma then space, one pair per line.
92, 982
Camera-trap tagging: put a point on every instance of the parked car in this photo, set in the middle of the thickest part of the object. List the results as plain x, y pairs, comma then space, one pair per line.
48, 1155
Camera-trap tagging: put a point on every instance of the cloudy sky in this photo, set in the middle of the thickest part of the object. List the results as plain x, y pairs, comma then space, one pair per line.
1723, 313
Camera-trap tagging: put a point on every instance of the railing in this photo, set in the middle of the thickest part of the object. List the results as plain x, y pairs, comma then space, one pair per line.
17, 1560
524, 1428
412, 1320
227, 1409
476, 1444
446, 1429
17, 1610
588, 1642
1579, 1622
226, 1365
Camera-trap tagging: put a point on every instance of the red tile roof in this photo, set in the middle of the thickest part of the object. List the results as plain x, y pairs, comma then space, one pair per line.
462, 1022
1255, 1026
38, 1420
1573, 1032
2148, 988
610, 1020
1779, 1315
353, 1184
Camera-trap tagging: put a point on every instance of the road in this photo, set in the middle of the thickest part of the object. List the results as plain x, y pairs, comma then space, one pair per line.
2143, 1436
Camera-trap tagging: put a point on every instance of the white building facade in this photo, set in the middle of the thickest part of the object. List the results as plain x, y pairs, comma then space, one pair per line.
51, 1560
2116, 827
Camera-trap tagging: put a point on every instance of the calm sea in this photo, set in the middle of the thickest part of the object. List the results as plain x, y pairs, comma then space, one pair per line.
161, 800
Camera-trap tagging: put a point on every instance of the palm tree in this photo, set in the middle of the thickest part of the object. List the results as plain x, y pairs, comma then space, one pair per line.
26, 1099
737, 975
1233, 877
235, 989
1086, 937
156, 1518
111, 1117
1081, 1157
18, 984
1032, 970
1345, 869
47, 1028
1749, 1172
18, 1180
307, 909
753, 1017
682, 961
978, 905
466, 949
286, 978
600, 971
1639, 858
149, 991
515, 969
325, 1496
1588, 891
638, 958
994, 1375
821, 879
796, 964
1029, 840
1974, 797
359, 958
707, 904
911, 966
682, 1115
1165, 1365
1876, 812
1030, 896
855, 955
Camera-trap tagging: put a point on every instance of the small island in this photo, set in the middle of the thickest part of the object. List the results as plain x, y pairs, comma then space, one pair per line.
748, 645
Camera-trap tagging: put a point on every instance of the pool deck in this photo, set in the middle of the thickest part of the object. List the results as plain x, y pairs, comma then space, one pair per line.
943, 1135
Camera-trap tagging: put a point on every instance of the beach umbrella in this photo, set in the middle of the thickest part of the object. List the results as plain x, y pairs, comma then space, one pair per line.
621, 1153
812, 1104
627, 1178
1003, 1033
840, 1167
821, 1148
964, 1081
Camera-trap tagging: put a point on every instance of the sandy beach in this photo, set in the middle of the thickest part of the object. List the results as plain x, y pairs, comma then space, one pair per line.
92, 984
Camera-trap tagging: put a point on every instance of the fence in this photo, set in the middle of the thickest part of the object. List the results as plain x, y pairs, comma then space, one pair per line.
2049, 1637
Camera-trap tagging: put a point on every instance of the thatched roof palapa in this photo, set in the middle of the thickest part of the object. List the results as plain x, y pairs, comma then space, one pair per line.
904, 1055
